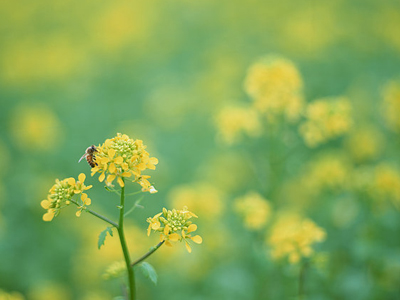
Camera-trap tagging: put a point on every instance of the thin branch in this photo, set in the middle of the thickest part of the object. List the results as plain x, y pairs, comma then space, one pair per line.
97, 215
152, 250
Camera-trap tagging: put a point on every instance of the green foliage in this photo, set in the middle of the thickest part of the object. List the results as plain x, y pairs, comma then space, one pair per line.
148, 271
103, 235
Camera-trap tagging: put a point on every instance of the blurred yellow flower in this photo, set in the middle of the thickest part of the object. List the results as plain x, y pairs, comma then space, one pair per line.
204, 198
276, 87
292, 236
365, 144
10, 296
232, 121
50, 291
329, 171
386, 184
326, 119
122, 157
115, 270
35, 126
254, 209
174, 225
61, 194
391, 104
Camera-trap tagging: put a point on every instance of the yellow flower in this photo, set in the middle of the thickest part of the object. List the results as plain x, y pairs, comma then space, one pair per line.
174, 225
254, 209
115, 270
293, 237
61, 194
121, 158
10, 296
276, 87
326, 119
391, 104
233, 121
385, 184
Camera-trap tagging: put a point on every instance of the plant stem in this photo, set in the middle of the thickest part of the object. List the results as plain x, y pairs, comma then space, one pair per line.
97, 215
301, 280
131, 274
151, 251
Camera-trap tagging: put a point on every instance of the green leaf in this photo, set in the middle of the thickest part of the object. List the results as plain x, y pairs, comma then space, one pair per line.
102, 236
148, 271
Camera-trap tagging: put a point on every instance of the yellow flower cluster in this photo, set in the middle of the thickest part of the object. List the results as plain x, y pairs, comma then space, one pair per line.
254, 209
175, 225
233, 121
391, 104
326, 119
10, 296
276, 87
365, 144
386, 184
204, 198
115, 270
293, 237
122, 157
61, 194
330, 171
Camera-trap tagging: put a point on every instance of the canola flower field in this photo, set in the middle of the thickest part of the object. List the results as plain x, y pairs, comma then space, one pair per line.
243, 150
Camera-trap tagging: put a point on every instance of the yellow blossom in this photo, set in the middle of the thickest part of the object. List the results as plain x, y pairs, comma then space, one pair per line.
254, 209
232, 121
385, 183
391, 104
123, 158
365, 143
175, 225
293, 237
61, 194
326, 119
115, 270
10, 295
276, 87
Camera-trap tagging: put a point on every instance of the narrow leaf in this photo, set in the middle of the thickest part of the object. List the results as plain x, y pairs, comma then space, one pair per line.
148, 271
102, 236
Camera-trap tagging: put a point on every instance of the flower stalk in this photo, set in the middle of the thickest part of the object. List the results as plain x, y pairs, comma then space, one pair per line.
151, 251
120, 228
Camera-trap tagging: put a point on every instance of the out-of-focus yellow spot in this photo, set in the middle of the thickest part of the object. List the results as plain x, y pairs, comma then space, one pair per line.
10, 295
50, 291
365, 144
36, 127
254, 209
326, 119
233, 121
293, 237
386, 184
29, 60
391, 104
203, 198
276, 87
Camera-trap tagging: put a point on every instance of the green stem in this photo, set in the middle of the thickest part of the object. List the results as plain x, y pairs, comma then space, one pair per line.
97, 215
151, 251
301, 280
131, 274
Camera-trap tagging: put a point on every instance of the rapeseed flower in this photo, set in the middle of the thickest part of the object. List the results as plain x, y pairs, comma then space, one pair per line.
276, 87
123, 158
326, 119
293, 236
175, 225
254, 209
233, 121
61, 195
391, 104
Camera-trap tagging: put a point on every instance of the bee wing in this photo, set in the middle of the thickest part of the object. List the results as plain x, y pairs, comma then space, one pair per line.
83, 156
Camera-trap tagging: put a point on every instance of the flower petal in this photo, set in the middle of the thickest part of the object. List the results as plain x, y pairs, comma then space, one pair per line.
188, 247
71, 181
45, 204
81, 178
120, 181
174, 237
191, 228
111, 153
112, 168
197, 239
110, 178
101, 177
48, 216
119, 160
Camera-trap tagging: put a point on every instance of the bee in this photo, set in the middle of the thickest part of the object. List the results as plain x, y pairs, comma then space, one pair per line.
90, 157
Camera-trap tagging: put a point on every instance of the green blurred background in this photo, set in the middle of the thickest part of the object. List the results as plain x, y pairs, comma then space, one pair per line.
74, 73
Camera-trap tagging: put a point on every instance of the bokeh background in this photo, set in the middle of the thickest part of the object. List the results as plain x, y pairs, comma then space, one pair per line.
276, 122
